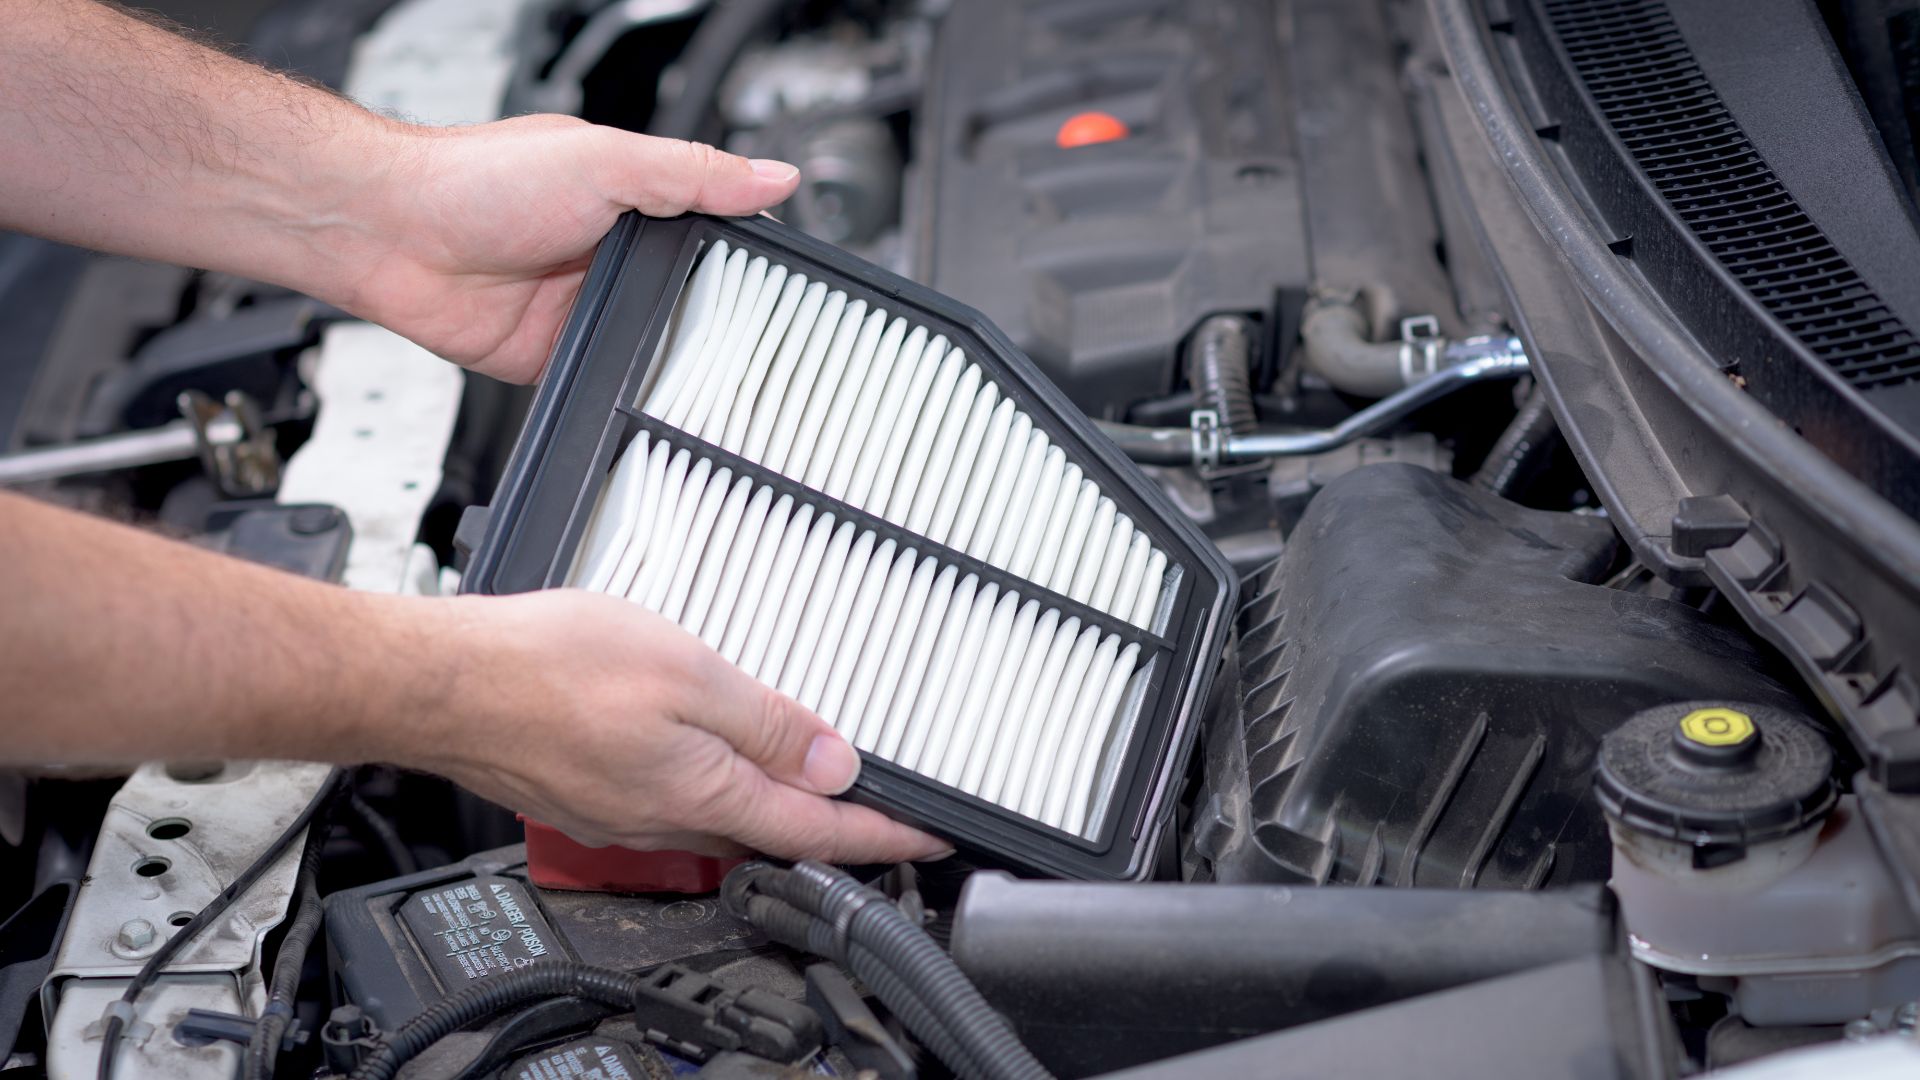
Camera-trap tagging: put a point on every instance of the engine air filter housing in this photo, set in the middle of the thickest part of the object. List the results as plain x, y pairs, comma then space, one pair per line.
862, 494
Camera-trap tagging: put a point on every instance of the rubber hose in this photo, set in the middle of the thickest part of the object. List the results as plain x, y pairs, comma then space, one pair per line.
1150, 445
1333, 342
1218, 368
263, 1049
872, 921
545, 979
1518, 447
723, 34
790, 926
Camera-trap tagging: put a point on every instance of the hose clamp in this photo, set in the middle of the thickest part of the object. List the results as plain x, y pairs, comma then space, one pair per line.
1420, 348
1209, 444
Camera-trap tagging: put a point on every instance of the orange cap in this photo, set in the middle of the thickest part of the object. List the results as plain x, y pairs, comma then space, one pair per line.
1087, 128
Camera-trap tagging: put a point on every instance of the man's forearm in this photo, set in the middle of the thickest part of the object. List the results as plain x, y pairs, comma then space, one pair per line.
121, 646
124, 137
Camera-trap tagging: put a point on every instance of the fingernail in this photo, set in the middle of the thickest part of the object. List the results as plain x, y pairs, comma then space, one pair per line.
938, 855
831, 765
768, 168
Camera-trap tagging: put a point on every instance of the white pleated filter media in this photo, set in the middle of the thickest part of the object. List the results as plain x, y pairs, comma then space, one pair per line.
915, 659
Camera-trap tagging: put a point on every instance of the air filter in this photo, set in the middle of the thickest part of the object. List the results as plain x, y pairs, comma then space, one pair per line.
860, 493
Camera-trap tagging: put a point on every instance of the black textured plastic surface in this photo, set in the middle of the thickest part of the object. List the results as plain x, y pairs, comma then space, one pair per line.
1643, 77
1647, 781
1424, 678
1756, 272
1594, 1018
1099, 976
1098, 260
580, 422
1825, 569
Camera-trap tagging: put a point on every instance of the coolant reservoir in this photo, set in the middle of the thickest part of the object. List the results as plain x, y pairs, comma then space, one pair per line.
1734, 862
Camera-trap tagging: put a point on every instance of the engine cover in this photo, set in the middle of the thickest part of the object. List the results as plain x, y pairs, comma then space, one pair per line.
1425, 676
1097, 259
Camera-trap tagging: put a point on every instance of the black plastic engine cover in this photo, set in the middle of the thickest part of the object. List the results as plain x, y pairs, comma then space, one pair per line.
1098, 260
1424, 677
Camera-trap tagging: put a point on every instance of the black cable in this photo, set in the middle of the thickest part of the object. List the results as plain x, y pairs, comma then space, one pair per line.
866, 917
539, 1022
289, 962
790, 926
494, 994
1520, 446
860, 928
723, 34
386, 835
120, 1010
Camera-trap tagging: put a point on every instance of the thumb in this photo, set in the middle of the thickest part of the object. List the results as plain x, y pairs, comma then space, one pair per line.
664, 177
786, 740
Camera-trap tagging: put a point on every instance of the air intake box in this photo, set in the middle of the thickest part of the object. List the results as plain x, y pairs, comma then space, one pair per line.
862, 494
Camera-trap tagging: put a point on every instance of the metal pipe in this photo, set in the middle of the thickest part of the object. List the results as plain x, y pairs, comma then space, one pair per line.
1469, 362
150, 446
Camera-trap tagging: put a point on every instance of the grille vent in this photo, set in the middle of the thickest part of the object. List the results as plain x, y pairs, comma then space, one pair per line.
1645, 81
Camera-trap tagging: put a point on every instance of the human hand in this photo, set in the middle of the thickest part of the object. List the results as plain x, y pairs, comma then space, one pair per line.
610, 723
475, 239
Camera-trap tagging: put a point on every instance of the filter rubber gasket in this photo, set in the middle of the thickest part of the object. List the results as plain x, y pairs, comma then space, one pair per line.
584, 415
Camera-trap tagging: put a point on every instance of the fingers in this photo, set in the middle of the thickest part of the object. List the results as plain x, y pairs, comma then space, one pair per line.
773, 818
664, 177
771, 730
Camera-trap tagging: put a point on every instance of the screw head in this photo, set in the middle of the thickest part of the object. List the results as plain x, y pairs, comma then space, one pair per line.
136, 934
312, 520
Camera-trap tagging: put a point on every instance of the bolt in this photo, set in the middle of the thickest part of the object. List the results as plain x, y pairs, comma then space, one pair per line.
1863, 1028
1907, 1017
136, 934
312, 520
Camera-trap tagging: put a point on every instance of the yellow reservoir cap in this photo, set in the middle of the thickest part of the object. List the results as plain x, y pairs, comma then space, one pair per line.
1717, 727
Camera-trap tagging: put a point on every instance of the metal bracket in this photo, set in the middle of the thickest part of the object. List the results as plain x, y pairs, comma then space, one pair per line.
173, 837
1209, 443
242, 462
1421, 347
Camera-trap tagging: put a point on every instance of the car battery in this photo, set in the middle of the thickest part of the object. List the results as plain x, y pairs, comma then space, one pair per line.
398, 946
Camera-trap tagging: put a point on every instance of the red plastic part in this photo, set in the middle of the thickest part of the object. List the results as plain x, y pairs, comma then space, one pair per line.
1090, 128
557, 861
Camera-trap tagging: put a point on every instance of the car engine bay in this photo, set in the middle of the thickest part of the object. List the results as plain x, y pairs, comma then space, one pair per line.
1552, 728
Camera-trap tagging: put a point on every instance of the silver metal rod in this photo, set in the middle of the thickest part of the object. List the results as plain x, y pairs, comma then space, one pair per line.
1494, 364
149, 446
1469, 361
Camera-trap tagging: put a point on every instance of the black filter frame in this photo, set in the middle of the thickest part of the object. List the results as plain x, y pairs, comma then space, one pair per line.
585, 414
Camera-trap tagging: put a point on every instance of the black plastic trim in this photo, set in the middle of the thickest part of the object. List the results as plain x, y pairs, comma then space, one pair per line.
1689, 213
1825, 568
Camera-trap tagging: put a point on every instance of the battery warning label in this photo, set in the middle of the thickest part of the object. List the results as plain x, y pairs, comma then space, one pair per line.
477, 928
588, 1059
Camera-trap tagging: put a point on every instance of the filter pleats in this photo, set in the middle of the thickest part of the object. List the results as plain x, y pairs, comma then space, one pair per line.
983, 682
